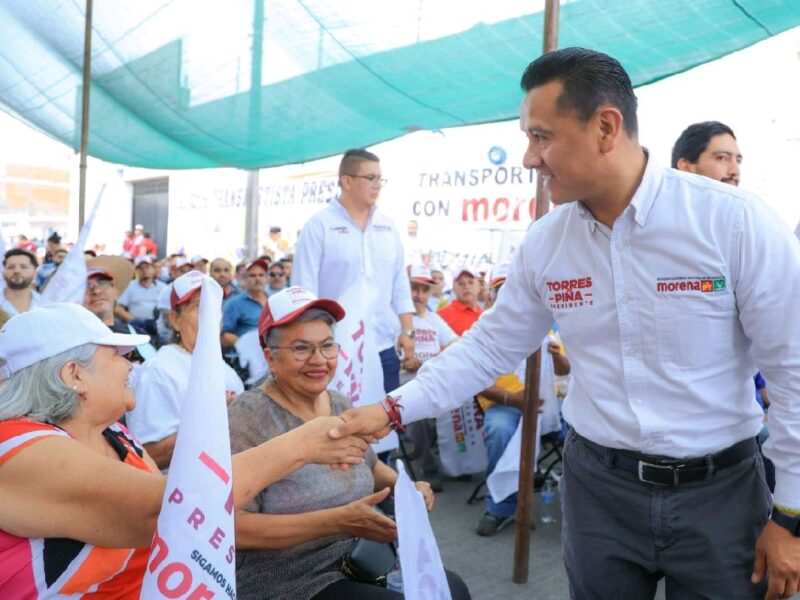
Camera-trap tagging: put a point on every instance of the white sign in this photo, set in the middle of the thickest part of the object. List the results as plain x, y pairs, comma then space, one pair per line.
420, 562
193, 551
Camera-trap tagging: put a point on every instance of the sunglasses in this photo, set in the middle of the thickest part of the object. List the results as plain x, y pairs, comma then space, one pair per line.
276, 274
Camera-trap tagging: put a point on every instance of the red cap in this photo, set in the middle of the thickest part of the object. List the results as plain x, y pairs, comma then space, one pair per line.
99, 273
184, 287
259, 262
288, 304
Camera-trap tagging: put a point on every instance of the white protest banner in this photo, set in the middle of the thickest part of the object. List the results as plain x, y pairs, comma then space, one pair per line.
68, 283
504, 480
193, 554
460, 436
420, 562
360, 375
251, 356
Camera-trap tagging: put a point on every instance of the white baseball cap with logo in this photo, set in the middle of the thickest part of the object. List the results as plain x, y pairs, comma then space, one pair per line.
288, 304
43, 332
498, 275
463, 270
185, 286
142, 259
420, 274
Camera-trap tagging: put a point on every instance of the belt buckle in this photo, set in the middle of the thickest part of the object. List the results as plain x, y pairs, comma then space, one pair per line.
673, 468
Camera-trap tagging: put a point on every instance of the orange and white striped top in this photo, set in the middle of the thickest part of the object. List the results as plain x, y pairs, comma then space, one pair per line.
38, 568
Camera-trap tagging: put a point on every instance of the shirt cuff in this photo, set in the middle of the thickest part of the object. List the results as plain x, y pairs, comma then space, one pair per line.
412, 403
787, 489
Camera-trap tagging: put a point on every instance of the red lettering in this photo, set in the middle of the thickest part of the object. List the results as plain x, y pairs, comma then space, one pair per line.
196, 518
501, 202
216, 538
201, 592
475, 205
231, 555
158, 553
184, 583
229, 505
176, 497
360, 331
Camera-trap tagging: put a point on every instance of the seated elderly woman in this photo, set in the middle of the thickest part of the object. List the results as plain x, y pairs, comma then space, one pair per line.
160, 384
292, 537
79, 498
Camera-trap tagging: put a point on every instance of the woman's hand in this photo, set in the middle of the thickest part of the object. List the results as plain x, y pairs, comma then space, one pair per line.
424, 488
361, 519
318, 447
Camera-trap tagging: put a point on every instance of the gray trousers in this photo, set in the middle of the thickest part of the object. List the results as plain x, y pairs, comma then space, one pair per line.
621, 536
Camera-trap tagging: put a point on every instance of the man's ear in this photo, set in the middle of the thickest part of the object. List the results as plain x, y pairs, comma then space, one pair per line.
685, 165
610, 128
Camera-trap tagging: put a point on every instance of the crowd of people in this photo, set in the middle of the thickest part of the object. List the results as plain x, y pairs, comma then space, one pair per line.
655, 292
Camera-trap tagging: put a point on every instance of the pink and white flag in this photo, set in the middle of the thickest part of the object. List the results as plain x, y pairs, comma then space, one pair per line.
420, 562
68, 283
192, 555
360, 374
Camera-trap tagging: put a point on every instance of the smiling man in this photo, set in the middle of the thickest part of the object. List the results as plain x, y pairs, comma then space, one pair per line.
663, 293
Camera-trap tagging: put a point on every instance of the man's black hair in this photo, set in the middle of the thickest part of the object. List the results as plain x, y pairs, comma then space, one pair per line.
694, 140
20, 252
354, 157
591, 79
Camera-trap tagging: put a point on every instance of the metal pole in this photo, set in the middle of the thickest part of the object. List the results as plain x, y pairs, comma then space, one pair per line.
87, 83
530, 414
252, 195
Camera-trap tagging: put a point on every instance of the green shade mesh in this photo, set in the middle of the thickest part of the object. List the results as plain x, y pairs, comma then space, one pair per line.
171, 80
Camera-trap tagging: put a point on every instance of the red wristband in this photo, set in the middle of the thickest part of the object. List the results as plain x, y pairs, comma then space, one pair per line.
393, 407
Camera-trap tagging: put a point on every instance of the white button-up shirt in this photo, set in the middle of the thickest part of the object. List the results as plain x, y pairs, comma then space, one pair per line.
5, 303
665, 318
332, 253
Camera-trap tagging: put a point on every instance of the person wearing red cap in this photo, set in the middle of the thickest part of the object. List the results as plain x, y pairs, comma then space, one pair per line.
432, 335
80, 496
351, 241
293, 535
462, 312
160, 385
240, 314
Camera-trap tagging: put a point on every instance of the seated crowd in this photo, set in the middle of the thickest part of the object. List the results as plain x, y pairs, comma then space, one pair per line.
90, 391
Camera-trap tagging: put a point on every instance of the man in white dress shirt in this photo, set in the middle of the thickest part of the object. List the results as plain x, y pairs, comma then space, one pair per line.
350, 239
665, 286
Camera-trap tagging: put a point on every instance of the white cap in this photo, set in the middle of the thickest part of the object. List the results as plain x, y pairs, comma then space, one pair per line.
142, 259
498, 274
43, 332
463, 270
420, 274
198, 258
288, 304
181, 261
184, 287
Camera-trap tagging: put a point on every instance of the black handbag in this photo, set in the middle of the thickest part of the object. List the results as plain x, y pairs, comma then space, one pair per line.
369, 561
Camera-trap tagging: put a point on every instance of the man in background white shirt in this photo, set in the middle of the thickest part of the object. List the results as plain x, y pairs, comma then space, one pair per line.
666, 286
350, 240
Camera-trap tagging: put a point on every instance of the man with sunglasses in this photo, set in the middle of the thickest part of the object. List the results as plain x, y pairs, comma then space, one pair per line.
350, 240
276, 278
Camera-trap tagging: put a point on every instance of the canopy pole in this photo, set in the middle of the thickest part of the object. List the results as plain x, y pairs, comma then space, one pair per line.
252, 193
87, 83
530, 413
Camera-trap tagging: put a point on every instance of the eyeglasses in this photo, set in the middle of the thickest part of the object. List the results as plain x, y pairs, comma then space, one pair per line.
302, 352
373, 179
99, 283
276, 274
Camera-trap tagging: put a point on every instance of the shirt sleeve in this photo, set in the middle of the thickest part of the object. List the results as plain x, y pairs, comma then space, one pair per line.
230, 315
401, 288
308, 255
767, 283
125, 298
494, 345
446, 334
157, 412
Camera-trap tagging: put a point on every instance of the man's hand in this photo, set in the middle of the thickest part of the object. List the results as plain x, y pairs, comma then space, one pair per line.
360, 519
405, 346
411, 363
424, 488
321, 448
369, 421
778, 555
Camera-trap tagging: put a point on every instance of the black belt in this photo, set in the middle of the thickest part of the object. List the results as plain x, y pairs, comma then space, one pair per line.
662, 470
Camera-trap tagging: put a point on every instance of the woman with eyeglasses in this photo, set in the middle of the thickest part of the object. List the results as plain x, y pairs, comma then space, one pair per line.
160, 384
292, 537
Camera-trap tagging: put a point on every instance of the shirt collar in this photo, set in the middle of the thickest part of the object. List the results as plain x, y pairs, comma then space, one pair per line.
642, 201
339, 207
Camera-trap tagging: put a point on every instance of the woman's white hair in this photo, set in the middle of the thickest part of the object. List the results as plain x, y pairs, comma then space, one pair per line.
38, 392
